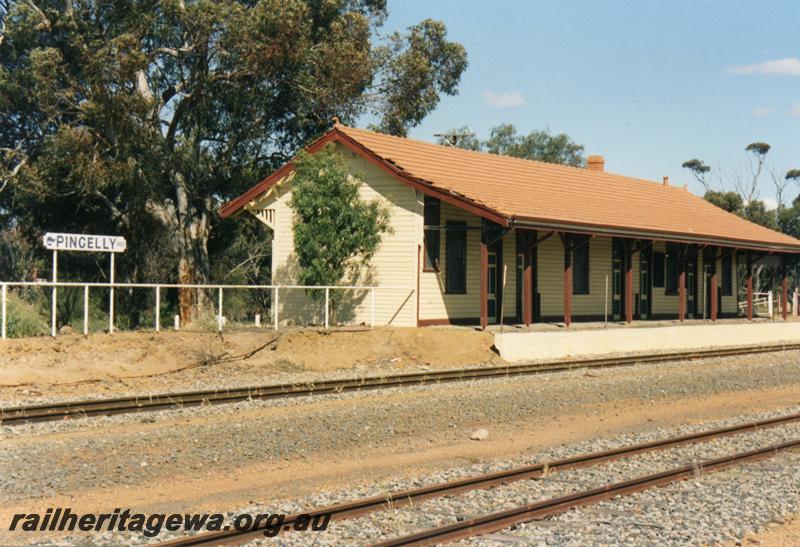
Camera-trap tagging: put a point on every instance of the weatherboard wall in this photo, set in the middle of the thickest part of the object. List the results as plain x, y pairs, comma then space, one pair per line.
551, 279
435, 302
392, 268
440, 306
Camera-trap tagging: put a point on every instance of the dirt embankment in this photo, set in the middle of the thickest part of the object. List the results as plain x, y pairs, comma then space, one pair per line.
73, 359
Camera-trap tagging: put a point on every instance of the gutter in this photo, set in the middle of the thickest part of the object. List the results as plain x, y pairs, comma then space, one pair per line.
643, 234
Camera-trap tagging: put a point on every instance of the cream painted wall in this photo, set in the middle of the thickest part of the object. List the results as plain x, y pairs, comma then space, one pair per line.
436, 304
392, 268
551, 279
551, 283
396, 265
665, 304
550, 263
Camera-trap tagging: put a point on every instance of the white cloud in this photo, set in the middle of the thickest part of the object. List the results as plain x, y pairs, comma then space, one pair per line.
762, 111
770, 203
795, 110
784, 67
509, 99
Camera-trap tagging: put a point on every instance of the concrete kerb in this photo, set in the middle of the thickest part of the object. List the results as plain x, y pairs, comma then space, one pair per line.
517, 347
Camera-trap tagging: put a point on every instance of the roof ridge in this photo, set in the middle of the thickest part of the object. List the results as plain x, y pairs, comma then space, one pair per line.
504, 187
500, 157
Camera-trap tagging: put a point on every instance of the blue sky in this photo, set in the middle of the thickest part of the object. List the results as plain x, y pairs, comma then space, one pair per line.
646, 84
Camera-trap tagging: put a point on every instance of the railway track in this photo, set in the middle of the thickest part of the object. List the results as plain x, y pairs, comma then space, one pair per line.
123, 405
503, 519
500, 520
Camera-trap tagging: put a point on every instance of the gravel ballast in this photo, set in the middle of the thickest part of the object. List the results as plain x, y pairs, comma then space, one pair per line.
441, 511
130, 450
298, 427
704, 510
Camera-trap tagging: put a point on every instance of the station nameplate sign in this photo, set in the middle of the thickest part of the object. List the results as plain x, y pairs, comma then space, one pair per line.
84, 242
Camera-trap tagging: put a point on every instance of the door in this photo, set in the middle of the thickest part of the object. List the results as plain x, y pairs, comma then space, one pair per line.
520, 280
492, 289
616, 281
691, 287
644, 284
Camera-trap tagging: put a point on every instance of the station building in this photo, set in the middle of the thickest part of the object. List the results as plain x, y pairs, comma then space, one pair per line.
476, 235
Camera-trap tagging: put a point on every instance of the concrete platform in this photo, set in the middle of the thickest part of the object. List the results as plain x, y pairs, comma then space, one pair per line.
592, 340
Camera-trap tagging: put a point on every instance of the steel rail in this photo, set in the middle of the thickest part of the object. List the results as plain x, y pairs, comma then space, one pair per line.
503, 519
393, 500
122, 405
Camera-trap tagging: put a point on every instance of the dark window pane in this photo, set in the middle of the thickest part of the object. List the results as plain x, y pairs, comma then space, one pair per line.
432, 250
456, 258
658, 269
580, 265
492, 277
432, 214
727, 274
672, 268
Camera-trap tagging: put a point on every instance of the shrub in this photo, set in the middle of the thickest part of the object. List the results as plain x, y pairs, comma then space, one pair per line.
23, 319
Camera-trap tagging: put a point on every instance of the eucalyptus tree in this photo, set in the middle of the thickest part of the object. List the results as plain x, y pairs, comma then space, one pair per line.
145, 115
505, 141
700, 171
536, 145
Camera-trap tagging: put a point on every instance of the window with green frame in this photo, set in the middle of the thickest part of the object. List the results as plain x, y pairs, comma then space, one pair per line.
580, 264
455, 269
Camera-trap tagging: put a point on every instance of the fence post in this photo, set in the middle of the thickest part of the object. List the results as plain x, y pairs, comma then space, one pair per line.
327, 304
795, 302
177, 322
158, 308
85, 309
258, 320
54, 295
111, 299
372, 307
275, 311
3, 294
219, 317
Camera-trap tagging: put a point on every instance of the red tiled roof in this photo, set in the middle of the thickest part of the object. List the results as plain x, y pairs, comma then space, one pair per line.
546, 195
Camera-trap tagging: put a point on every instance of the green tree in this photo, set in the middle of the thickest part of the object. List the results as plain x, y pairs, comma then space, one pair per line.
141, 117
336, 232
789, 219
536, 145
756, 211
462, 138
729, 201
757, 156
700, 171
505, 141
743, 202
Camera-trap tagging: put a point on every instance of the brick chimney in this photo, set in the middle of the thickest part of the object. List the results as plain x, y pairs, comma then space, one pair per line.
666, 181
595, 163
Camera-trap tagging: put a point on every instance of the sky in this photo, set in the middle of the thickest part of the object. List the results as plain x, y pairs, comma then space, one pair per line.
646, 84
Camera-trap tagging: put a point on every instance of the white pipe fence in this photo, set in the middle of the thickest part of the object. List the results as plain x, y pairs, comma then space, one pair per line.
763, 300
795, 302
220, 316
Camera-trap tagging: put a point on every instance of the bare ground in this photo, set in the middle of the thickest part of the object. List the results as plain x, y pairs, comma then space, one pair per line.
75, 364
784, 534
524, 416
581, 406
